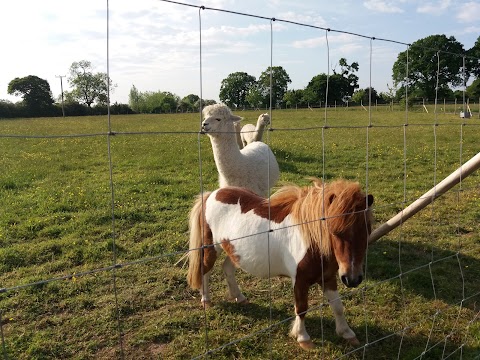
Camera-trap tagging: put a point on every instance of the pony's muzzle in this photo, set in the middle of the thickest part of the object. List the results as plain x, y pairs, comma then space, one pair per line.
349, 281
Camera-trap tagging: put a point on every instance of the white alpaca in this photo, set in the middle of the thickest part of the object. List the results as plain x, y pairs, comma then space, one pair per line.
250, 133
254, 167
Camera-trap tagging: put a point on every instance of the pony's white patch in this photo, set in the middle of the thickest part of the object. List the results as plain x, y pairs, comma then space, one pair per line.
341, 326
341, 269
282, 249
298, 330
234, 292
205, 289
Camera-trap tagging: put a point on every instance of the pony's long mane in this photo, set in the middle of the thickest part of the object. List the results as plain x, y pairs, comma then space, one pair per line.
338, 203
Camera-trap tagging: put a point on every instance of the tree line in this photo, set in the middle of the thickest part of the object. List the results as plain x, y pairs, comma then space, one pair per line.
88, 95
414, 73
151, 102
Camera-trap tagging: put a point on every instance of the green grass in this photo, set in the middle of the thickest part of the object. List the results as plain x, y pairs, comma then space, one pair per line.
56, 221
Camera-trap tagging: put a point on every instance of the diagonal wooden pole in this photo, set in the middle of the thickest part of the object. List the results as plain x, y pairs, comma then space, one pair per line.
442, 187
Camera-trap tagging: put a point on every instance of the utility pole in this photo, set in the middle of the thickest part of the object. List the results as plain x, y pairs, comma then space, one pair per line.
61, 87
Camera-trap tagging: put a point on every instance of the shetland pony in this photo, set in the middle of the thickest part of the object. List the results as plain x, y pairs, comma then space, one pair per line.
307, 234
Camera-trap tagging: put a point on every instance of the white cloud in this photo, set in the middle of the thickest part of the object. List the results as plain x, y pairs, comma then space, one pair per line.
471, 30
218, 4
237, 31
273, 3
347, 49
315, 20
469, 12
309, 43
434, 8
383, 6
335, 40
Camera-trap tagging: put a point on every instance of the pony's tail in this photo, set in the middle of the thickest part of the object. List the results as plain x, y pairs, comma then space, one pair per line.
196, 223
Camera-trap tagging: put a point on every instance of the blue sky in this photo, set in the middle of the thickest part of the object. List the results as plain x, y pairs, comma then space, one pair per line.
154, 45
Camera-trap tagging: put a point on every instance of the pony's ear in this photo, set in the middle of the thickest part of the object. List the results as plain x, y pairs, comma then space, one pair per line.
235, 118
331, 198
370, 200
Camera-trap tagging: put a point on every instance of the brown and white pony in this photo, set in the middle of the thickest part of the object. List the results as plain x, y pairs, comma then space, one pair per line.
307, 234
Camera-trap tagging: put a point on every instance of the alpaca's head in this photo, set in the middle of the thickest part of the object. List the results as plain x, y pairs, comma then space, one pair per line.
264, 119
218, 118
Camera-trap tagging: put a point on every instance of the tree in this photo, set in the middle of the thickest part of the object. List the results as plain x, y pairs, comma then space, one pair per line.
205, 102
169, 101
423, 63
7, 109
341, 85
254, 97
120, 109
88, 87
362, 96
189, 103
161, 101
388, 96
235, 87
153, 102
279, 84
348, 83
36, 93
135, 99
358, 96
293, 98
473, 62
473, 90
316, 90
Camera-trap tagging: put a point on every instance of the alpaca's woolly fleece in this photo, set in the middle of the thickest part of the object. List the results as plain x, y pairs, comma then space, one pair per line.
254, 167
250, 133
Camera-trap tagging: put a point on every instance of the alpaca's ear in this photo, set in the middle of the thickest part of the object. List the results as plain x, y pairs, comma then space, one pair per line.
235, 118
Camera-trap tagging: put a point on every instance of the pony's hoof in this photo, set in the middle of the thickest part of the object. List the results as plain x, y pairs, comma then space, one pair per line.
207, 304
307, 345
244, 302
353, 341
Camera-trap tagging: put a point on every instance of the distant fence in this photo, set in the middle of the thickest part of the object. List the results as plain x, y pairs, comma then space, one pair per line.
446, 106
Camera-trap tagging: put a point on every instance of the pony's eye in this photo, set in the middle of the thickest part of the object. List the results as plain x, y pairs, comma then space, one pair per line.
218, 119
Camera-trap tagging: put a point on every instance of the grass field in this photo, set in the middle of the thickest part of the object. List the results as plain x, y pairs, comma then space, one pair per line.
56, 222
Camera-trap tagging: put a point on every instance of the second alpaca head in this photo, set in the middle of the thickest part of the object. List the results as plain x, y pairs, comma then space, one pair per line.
250, 133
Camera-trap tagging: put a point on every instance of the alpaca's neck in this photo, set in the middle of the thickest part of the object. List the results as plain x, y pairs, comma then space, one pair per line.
260, 126
259, 131
225, 151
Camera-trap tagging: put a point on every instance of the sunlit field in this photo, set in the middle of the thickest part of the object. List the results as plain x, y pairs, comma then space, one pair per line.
91, 244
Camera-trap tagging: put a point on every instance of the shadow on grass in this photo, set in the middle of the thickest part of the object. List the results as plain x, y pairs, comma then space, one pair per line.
382, 343
443, 278
453, 277
288, 162
449, 278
